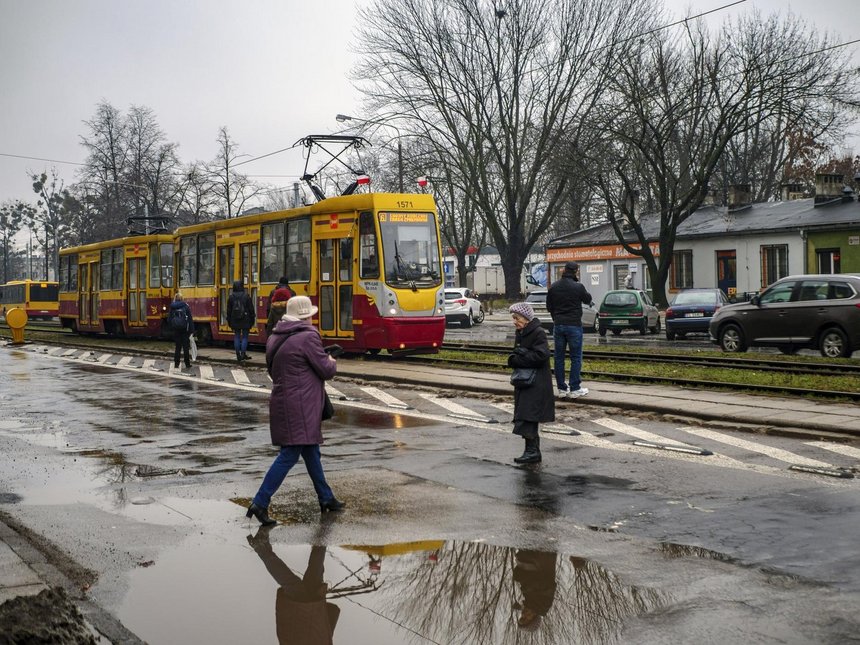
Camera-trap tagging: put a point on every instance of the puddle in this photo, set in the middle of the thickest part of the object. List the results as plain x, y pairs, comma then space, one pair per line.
417, 592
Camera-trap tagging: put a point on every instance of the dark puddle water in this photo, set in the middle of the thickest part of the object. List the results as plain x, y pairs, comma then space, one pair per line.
262, 591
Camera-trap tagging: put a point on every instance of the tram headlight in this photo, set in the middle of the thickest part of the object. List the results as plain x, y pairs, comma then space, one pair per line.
393, 311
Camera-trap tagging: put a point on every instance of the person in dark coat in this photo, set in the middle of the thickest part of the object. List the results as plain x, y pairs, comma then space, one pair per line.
534, 404
241, 317
283, 283
181, 337
564, 302
299, 368
302, 615
278, 308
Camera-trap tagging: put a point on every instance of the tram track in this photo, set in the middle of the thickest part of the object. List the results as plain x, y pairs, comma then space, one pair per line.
757, 364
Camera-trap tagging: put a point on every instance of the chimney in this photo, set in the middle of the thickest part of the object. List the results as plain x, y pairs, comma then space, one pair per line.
739, 196
790, 191
712, 197
828, 188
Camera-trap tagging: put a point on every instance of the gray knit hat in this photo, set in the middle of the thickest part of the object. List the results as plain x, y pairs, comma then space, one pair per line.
523, 309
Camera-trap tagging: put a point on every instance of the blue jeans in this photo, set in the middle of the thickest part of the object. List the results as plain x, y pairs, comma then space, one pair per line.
240, 341
286, 459
568, 337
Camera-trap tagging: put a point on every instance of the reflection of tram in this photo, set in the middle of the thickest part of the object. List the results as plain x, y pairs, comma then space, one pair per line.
122, 286
37, 298
370, 262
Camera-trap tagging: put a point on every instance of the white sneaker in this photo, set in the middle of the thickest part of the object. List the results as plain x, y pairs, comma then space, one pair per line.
578, 393
563, 394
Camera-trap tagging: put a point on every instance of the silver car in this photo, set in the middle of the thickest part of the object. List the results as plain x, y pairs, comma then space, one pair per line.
462, 307
537, 299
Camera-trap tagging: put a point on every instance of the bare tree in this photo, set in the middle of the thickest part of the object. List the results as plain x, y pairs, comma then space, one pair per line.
231, 188
50, 217
497, 88
673, 108
13, 216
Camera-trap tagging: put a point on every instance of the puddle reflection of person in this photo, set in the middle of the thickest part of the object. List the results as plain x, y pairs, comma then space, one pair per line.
302, 615
535, 573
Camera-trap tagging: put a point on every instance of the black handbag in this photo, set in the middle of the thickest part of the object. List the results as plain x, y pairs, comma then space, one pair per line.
523, 376
328, 408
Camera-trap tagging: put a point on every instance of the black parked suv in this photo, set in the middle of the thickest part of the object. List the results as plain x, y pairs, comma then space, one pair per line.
813, 311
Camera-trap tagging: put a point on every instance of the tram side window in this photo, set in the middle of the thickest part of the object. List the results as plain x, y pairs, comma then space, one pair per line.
368, 252
166, 265
272, 256
206, 259
73, 273
67, 264
188, 261
110, 277
299, 250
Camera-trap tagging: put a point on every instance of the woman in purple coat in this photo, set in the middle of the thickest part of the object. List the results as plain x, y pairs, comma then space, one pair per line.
299, 366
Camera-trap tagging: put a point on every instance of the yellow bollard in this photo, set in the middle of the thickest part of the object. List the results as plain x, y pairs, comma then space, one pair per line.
16, 318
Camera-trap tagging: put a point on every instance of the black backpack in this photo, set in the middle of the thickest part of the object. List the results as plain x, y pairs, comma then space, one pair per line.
179, 318
239, 312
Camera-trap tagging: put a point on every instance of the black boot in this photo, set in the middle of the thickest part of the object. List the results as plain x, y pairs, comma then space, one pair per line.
333, 505
261, 514
532, 454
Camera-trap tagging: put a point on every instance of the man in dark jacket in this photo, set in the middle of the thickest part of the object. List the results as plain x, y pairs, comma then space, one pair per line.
180, 311
564, 302
241, 317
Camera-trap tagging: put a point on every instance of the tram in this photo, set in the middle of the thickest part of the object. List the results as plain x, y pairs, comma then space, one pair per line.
37, 297
122, 287
370, 262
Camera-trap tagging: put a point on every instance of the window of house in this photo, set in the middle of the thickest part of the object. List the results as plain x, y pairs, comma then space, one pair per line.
774, 263
829, 260
682, 270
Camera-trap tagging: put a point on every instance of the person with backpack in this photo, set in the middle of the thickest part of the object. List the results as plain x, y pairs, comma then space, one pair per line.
283, 283
241, 317
179, 320
278, 307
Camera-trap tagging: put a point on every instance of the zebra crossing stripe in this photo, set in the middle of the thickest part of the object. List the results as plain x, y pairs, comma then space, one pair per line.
207, 373
644, 435
54, 351
386, 398
334, 393
775, 453
104, 358
69, 352
456, 410
241, 378
848, 451
125, 361
149, 364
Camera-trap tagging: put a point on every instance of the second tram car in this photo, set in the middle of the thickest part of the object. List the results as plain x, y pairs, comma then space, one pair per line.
37, 297
370, 262
122, 286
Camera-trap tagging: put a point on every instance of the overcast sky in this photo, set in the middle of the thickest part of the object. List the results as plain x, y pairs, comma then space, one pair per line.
272, 71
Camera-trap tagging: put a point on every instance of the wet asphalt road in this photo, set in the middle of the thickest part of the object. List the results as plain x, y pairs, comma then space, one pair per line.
142, 476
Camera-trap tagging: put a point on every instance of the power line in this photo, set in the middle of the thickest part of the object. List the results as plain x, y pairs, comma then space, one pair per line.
71, 163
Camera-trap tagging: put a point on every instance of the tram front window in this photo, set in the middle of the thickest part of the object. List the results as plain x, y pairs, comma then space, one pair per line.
410, 249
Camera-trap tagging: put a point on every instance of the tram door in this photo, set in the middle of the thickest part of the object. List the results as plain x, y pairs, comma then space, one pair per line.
226, 271
249, 275
335, 291
135, 269
88, 307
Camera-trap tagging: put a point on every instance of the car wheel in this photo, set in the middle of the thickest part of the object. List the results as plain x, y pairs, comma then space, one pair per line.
656, 328
788, 350
644, 329
834, 343
480, 317
601, 331
670, 335
732, 339
468, 321
616, 332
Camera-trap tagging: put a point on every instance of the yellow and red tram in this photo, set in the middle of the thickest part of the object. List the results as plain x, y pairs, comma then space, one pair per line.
370, 262
122, 287
39, 298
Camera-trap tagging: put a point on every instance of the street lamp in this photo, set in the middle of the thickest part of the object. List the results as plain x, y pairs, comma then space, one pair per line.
345, 117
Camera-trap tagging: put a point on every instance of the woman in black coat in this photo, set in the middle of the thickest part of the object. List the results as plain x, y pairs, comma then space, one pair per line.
535, 403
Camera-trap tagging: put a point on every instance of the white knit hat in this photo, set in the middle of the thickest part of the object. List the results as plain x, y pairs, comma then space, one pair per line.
301, 307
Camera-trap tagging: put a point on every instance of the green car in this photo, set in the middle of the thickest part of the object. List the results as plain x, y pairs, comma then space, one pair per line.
628, 309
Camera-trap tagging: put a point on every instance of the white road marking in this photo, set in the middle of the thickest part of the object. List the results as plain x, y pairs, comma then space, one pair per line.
149, 364
333, 392
848, 451
69, 352
104, 358
125, 361
54, 351
454, 408
774, 453
207, 373
241, 378
386, 398
644, 435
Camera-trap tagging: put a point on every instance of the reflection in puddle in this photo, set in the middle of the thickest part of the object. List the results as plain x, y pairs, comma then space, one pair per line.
418, 592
